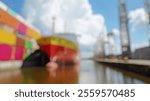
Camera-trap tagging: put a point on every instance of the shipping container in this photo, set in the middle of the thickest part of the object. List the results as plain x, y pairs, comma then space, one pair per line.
7, 28
30, 32
33, 34
5, 52
21, 34
19, 53
22, 28
36, 35
28, 44
20, 42
13, 53
1, 26
9, 20
7, 37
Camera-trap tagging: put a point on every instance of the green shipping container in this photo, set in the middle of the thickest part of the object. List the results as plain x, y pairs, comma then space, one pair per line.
28, 44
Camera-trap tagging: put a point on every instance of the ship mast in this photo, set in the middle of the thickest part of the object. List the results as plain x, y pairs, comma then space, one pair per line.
53, 25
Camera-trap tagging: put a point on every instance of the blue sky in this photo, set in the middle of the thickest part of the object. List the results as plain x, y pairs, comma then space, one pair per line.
16, 5
108, 9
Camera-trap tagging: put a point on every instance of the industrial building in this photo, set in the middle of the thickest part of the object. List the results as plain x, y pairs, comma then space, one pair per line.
142, 53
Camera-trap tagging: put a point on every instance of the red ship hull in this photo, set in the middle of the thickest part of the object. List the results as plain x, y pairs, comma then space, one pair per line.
63, 55
60, 50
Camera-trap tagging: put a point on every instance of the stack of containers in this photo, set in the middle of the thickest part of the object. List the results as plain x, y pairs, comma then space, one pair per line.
7, 38
28, 47
8, 20
22, 30
15, 35
19, 48
20, 45
7, 41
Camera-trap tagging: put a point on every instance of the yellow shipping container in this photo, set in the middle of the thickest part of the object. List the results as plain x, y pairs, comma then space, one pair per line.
7, 37
33, 34
36, 35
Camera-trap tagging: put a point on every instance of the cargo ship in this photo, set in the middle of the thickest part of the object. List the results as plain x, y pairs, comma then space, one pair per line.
17, 38
61, 48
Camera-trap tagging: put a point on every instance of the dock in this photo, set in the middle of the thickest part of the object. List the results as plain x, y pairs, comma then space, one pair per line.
138, 66
5, 65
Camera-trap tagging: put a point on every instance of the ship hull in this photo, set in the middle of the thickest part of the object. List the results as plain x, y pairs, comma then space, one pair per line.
60, 50
63, 55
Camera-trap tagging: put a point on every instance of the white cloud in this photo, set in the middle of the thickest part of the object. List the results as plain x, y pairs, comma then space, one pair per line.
77, 14
138, 18
116, 31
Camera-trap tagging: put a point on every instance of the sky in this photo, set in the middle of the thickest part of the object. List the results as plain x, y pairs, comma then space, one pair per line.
88, 18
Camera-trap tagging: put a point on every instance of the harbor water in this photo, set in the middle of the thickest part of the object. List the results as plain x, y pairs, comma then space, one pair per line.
87, 72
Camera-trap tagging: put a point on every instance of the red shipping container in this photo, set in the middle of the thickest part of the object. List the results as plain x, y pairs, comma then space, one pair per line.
19, 53
22, 28
20, 42
5, 52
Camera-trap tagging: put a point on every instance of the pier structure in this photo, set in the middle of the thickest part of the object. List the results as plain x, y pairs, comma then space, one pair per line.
137, 61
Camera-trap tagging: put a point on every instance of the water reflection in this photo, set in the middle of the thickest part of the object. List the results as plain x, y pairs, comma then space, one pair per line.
102, 74
107, 75
63, 75
11, 77
87, 72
